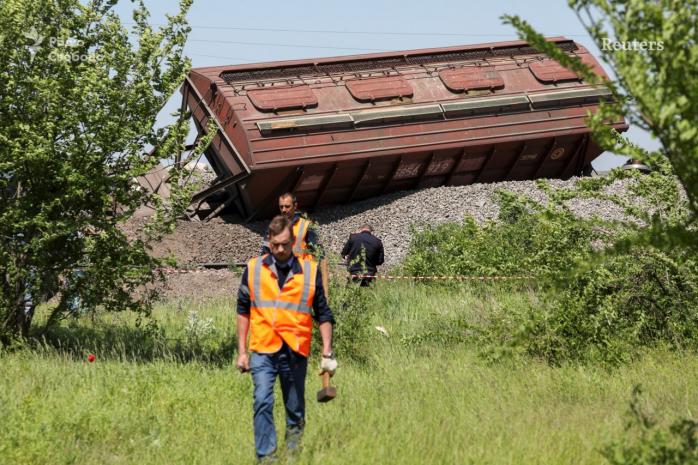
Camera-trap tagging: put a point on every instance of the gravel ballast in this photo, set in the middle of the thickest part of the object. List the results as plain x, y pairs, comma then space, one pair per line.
391, 216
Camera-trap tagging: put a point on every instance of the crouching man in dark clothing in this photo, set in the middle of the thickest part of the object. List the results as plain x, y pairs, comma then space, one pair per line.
363, 253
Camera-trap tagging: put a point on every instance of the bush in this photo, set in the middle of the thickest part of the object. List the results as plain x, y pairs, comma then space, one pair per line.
609, 312
648, 444
349, 304
527, 238
597, 303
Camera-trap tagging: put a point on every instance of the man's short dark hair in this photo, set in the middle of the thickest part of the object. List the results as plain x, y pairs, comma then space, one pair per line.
366, 227
289, 194
278, 224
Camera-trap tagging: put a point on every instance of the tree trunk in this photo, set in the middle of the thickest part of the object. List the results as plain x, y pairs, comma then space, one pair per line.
24, 312
18, 311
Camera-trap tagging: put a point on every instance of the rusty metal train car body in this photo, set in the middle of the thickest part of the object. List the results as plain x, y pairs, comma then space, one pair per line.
334, 130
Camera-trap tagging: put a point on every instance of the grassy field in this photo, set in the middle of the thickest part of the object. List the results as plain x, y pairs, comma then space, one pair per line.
168, 393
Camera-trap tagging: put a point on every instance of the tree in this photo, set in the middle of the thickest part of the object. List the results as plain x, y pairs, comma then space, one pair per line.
652, 48
79, 96
637, 286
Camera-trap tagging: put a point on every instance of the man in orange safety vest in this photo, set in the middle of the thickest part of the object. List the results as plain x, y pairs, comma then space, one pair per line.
306, 243
279, 296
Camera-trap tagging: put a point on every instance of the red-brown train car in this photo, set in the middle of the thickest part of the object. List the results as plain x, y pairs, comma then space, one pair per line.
339, 129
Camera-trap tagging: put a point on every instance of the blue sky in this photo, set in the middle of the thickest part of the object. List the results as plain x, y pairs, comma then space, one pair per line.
225, 33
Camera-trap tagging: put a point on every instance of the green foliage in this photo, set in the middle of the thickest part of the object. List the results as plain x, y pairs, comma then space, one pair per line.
598, 304
79, 96
646, 443
643, 291
608, 313
183, 331
350, 306
359, 260
440, 402
656, 88
440, 331
527, 238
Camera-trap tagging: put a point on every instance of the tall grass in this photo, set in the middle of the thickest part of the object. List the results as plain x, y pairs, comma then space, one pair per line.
419, 395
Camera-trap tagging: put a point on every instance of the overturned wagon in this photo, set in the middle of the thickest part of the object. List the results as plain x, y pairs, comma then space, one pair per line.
334, 130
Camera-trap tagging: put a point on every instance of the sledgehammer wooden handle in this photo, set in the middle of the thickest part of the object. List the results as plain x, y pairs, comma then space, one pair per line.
327, 393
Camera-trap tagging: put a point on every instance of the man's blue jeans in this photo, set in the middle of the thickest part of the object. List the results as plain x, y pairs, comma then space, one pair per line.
291, 368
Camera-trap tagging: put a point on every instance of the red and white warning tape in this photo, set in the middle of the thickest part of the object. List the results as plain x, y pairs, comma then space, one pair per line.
443, 278
191, 270
380, 276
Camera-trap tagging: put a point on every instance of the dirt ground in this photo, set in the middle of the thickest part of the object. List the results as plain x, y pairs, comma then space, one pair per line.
194, 243
201, 284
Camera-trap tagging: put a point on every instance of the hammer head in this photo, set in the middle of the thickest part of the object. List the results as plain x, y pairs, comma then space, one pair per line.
326, 394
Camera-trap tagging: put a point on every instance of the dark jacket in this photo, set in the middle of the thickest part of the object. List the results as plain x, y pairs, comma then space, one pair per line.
374, 253
321, 310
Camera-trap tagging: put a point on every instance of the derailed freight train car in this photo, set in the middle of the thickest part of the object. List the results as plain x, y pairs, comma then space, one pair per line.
335, 130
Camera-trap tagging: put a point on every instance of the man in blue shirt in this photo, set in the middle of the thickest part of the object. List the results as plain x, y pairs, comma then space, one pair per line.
276, 305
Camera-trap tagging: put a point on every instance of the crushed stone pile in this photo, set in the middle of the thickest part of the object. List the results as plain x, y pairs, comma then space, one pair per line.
391, 216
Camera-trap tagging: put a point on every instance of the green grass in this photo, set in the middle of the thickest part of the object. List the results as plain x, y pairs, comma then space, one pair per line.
422, 394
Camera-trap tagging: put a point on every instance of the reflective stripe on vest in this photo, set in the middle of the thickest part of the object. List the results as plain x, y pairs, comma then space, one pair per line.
298, 307
299, 230
279, 315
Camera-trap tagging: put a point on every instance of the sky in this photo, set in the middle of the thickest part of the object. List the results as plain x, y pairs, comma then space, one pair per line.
227, 33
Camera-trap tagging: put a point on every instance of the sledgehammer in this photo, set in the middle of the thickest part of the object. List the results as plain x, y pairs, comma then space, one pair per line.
327, 393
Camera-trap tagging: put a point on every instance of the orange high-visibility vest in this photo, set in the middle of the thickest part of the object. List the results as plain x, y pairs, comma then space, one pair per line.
300, 246
278, 315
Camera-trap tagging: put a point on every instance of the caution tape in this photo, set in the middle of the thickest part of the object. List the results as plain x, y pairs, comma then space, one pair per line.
379, 276
442, 278
191, 270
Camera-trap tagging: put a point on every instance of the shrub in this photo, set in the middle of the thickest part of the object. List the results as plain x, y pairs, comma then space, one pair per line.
349, 304
526, 238
597, 303
607, 313
648, 444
